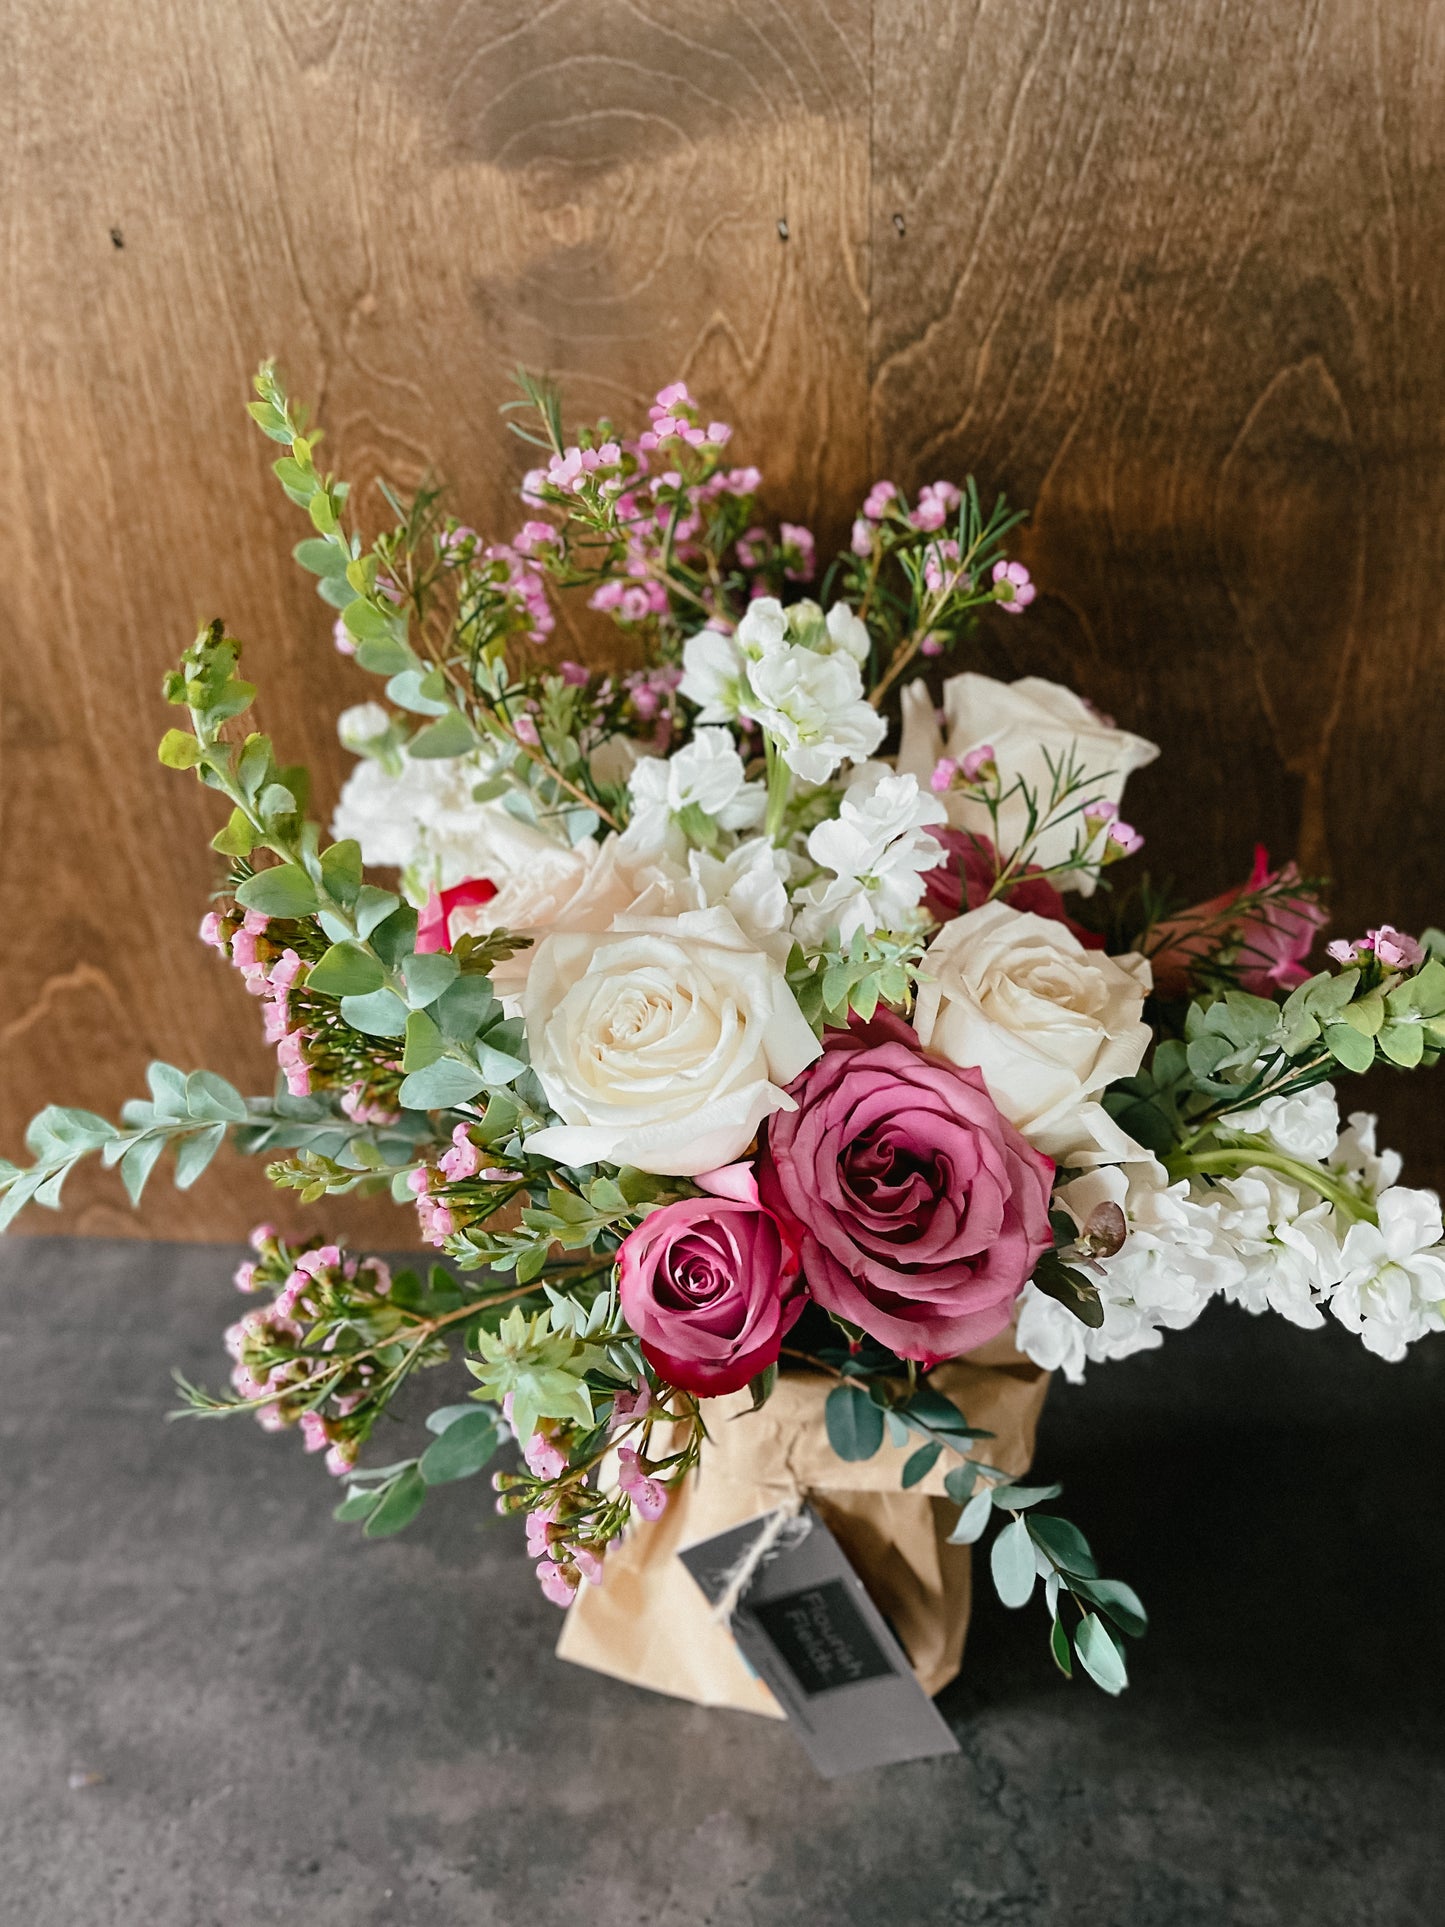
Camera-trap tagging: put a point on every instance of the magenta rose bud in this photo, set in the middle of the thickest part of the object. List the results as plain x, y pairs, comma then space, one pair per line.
920, 1210
708, 1286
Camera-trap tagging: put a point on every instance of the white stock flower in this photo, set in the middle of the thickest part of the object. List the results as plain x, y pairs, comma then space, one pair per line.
1027, 723
1284, 1240
878, 849
1049, 1023
796, 674
363, 723
706, 774
422, 818
664, 1045
1356, 1155
713, 676
813, 708
1172, 1262
752, 882
1306, 1125
1392, 1283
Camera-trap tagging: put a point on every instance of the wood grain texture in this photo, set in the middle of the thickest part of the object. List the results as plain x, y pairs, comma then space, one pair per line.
401, 203
1172, 273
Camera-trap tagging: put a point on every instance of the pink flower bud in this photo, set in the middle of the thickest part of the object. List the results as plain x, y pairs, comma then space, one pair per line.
944, 771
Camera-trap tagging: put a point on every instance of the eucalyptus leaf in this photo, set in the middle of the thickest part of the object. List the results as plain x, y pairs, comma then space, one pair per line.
282, 891
973, 1520
399, 1507
213, 1100
347, 970
428, 974
919, 1464
372, 907
440, 1085
854, 1422
379, 1014
193, 1154
461, 1450
1011, 1559
1099, 1654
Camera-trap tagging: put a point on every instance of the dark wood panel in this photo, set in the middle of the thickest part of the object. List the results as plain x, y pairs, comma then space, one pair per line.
1175, 275
401, 203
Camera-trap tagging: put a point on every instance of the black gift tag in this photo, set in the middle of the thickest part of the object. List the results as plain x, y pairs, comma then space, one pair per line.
806, 1626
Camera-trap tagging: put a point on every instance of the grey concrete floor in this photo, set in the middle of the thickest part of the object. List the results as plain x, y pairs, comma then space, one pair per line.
219, 1708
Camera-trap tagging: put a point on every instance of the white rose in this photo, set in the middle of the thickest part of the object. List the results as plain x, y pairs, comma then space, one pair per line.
1027, 723
663, 1046
1049, 1023
542, 888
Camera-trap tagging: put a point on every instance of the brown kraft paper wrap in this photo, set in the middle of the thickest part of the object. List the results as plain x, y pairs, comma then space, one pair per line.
649, 1623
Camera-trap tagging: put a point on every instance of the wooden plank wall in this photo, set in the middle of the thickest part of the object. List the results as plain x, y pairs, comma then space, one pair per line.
1173, 274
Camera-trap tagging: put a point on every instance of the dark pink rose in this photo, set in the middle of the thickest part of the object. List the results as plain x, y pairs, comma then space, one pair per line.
1265, 923
708, 1284
433, 928
920, 1210
963, 881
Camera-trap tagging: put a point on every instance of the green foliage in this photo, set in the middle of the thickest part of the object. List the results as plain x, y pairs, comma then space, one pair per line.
874, 969
543, 1369
854, 1422
190, 1114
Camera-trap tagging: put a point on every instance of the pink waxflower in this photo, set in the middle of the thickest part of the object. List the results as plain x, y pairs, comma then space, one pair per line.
875, 505
558, 1583
244, 1278
920, 1210
313, 1432
291, 1056
646, 1494
980, 765
261, 1235
708, 1285
799, 551
1124, 838
1012, 587
931, 645
589, 1564
1395, 949
342, 637
1272, 938
434, 925
631, 1404
463, 1160
860, 539
212, 933
341, 1458
525, 730
944, 771
573, 674
545, 1458
539, 1528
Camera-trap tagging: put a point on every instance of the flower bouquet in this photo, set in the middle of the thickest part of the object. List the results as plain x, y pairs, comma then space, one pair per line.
786, 1108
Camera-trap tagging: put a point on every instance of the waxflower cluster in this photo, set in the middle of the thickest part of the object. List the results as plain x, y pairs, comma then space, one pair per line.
768, 1006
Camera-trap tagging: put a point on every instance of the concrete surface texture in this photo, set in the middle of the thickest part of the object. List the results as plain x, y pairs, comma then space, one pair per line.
219, 1708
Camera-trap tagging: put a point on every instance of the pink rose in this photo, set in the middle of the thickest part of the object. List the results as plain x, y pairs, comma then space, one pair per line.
962, 882
1272, 938
921, 1211
707, 1285
433, 929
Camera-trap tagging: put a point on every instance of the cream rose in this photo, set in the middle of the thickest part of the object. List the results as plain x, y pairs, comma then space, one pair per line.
1027, 723
664, 1045
543, 888
1049, 1024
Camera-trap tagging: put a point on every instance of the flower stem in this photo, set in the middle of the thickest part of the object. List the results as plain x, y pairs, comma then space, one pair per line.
1234, 1159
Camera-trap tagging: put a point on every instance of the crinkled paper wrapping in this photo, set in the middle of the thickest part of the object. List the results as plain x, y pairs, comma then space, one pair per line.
649, 1623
